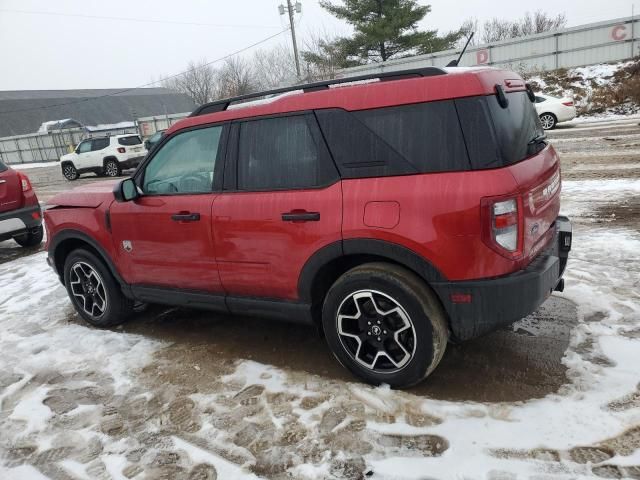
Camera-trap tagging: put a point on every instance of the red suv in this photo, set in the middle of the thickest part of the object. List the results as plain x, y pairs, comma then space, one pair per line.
395, 213
20, 214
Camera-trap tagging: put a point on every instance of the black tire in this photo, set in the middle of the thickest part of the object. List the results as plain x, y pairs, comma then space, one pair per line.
116, 308
548, 121
70, 172
31, 239
111, 168
391, 286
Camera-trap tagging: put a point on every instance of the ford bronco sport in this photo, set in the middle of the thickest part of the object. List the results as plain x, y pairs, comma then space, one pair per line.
395, 213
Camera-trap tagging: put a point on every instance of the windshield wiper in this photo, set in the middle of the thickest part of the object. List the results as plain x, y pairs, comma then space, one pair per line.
537, 139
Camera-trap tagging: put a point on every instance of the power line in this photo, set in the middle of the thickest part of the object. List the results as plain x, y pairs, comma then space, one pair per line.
131, 19
153, 82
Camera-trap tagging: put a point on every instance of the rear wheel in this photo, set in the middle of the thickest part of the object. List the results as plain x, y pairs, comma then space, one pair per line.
93, 290
70, 172
31, 239
385, 325
548, 121
112, 168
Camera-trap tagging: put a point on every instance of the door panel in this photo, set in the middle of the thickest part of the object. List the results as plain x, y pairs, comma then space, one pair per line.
260, 254
165, 251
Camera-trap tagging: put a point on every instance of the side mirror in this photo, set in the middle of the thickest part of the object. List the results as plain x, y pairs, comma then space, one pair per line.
126, 190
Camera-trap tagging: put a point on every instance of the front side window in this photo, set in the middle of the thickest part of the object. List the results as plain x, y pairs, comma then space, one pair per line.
277, 153
84, 147
184, 164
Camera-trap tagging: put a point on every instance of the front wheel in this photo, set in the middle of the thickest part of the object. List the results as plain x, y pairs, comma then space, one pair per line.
95, 294
385, 325
31, 239
548, 121
70, 172
112, 168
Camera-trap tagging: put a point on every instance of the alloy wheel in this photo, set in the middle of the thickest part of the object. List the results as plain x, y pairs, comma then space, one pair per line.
376, 331
111, 169
547, 121
88, 289
69, 172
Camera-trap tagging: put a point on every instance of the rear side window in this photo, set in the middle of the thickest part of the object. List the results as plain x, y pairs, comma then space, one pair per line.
497, 136
132, 140
427, 135
280, 153
99, 143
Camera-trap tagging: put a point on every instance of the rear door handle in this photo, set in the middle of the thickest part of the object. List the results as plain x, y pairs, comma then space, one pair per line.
301, 216
185, 217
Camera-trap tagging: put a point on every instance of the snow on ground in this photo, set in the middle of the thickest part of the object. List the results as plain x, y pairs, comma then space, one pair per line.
26, 166
87, 403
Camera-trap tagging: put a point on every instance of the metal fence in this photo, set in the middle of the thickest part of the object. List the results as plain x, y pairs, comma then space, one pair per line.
50, 146
147, 126
600, 42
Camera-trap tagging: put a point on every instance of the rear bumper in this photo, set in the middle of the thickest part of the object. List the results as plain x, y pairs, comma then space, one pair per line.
480, 306
18, 222
131, 162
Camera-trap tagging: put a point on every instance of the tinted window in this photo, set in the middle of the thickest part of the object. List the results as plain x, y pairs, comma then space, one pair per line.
427, 135
540, 99
497, 136
278, 153
84, 147
133, 140
184, 164
357, 151
100, 143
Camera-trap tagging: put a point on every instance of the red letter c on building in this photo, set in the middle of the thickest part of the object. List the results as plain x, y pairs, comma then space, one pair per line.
619, 32
482, 57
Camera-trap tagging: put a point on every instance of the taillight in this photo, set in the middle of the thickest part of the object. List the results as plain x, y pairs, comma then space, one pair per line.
568, 104
503, 225
121, 150
24, 182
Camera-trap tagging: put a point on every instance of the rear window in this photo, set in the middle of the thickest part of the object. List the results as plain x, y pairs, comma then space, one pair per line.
3, 167
132, 140
496, 136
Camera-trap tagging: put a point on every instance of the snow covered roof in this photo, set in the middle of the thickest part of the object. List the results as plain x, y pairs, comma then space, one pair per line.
58, 125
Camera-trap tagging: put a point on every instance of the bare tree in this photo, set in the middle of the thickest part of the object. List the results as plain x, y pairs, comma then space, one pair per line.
496, 29
236, 77
469, 26
274, 67
323, 56
198, 82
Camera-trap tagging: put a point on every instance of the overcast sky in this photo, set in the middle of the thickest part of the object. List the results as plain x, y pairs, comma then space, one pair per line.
71, 48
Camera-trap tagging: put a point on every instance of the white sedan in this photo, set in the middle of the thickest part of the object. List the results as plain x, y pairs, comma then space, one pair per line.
552, 110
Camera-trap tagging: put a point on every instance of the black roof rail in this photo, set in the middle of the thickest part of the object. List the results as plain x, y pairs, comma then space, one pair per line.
222, 105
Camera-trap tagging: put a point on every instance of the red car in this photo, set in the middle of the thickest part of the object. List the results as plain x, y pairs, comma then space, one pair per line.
20, 214
394, 213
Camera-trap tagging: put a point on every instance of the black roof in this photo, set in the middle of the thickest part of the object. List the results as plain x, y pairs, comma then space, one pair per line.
23, 111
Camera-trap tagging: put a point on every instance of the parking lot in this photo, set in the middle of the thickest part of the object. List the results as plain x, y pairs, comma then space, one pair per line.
179, 393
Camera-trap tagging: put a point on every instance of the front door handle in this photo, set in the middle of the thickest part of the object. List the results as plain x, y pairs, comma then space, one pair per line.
185, 217
301, 216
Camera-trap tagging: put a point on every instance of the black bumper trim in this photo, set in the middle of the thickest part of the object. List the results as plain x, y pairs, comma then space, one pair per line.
501, 301
25, 215
131, 163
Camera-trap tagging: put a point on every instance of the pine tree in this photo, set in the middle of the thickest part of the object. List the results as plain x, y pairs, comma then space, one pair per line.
385, 29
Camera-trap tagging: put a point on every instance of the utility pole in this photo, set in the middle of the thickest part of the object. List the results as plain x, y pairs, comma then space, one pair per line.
289, 8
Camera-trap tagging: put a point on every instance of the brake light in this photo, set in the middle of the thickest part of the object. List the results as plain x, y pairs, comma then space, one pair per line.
503, 225
121, 149
568, 104
24, 182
